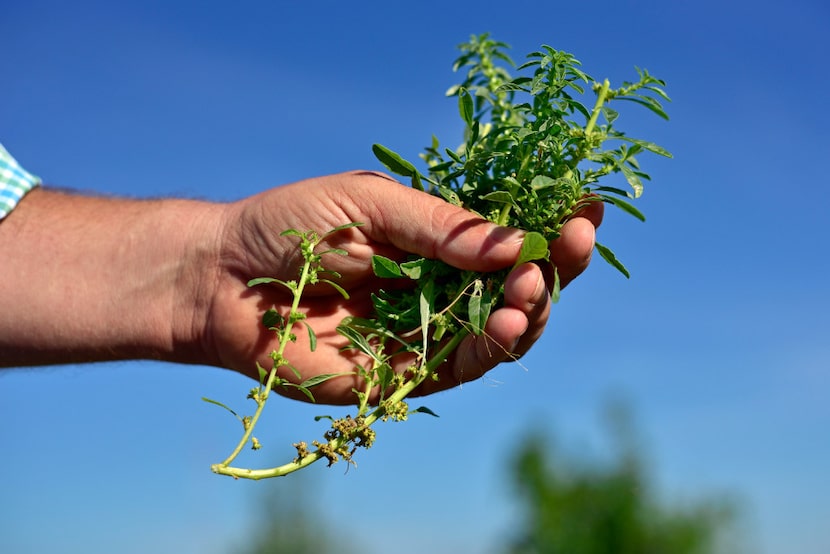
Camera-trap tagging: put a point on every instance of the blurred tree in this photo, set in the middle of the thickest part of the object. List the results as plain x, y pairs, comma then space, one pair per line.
287, 522
585, 507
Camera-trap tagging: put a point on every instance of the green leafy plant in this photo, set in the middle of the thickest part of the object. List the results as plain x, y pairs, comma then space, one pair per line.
532, 156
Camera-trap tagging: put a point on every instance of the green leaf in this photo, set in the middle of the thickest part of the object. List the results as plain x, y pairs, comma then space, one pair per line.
649, 103
425, 410
393, 161
319, 417
336, 287
385, 268
312, 338
624, 206
633, 180
425, 301
465, 106
650, 146
542, 181
478, 308
358, 341
303, 390
414, 269
557, 286
271, 280
396, 164
217, 403
318, 379
343, 227
500, 196
263, 374
609, 257
534, 247
272, 319
615, 190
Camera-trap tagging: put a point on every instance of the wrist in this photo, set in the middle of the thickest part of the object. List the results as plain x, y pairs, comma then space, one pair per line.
95, 279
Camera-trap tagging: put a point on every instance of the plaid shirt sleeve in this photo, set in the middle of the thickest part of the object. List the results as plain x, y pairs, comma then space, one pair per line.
15, 182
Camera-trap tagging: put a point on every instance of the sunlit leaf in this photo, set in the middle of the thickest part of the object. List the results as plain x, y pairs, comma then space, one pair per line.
609, 257
465, 106
534, 247
624, 206
263, 374
385, 268
393, 161
318, 379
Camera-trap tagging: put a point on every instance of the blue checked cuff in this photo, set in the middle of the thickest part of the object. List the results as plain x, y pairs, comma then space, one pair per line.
15, 182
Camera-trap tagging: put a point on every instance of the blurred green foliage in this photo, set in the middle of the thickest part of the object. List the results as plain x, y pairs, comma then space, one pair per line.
288, 521
582, 506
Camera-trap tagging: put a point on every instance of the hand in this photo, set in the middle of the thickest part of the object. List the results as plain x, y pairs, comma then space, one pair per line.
396, 220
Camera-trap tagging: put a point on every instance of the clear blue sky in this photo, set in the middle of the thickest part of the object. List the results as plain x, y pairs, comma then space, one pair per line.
720, 340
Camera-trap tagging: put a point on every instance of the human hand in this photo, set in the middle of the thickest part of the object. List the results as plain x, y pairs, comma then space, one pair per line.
396, 220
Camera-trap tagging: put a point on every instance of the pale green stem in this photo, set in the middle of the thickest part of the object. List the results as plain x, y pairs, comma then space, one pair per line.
285, 338
397, 396
601, 97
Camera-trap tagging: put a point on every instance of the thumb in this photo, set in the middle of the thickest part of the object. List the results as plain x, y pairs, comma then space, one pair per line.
420, 223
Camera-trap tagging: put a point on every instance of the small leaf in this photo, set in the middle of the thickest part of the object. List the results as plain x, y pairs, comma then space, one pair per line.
216, 402
624, 206
415, 268
303, 390
615, 190
358, 341
393, 161
385, 268
633, 180
336, 287
534, 247
649, 103
500, 196
396, 164
263, 374
609, 257
425, 410
465, 106
557, 286
271, 280
343, 227
318, 379
319, 417
425, 301
385, 376
478, 309
272, 319
542, 181
650, 146
312, 338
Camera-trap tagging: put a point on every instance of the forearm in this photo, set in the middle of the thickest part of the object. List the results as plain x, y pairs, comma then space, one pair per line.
93, 279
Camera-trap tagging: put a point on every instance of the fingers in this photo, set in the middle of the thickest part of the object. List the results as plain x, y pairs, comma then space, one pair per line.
571, 252
513, 329
417, 222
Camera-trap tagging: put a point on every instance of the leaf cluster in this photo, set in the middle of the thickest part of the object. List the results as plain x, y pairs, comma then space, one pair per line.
533, 154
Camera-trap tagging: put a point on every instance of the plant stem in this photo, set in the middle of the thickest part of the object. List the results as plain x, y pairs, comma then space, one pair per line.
399, 394
601, 97
279, 360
